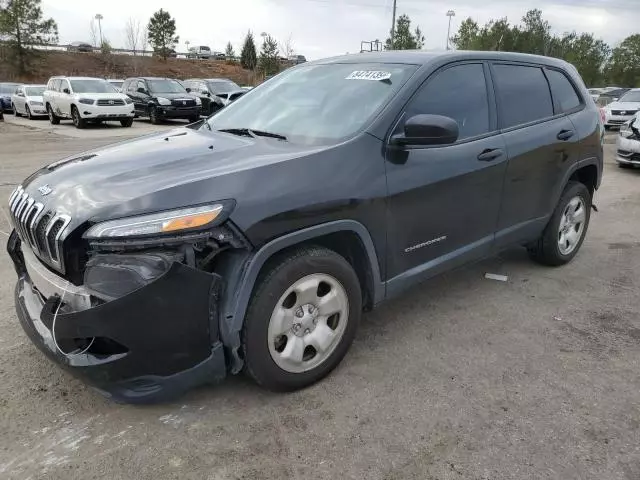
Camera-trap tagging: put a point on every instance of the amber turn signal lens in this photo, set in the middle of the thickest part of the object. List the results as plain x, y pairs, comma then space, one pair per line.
189, 221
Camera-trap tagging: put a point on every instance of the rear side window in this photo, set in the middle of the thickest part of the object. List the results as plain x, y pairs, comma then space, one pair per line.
562, 90
523, 94
459, 92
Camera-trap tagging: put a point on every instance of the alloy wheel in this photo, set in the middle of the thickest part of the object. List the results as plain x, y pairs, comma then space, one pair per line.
571, 226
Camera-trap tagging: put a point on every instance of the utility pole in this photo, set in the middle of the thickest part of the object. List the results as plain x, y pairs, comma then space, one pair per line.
393, 24
99, 17
450, 14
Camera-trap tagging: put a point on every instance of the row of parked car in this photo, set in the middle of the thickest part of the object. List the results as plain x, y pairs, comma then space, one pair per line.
87, 100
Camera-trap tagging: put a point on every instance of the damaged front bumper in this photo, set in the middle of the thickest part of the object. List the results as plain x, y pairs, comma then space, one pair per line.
149, 345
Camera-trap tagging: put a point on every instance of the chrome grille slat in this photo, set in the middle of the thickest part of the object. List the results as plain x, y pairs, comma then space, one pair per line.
42, 230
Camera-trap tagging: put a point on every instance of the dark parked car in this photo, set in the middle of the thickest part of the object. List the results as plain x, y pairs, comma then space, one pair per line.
214, 93
254, 240
6, 90
161, 98
81, 47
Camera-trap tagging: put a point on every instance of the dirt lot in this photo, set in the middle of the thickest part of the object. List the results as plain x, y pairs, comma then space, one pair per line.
462, 378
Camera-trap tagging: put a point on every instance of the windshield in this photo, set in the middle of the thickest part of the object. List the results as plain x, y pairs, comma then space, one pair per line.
8, 87
630, 97
316, 104
91, 86
116, 83
222, 86
165, 86
34, 91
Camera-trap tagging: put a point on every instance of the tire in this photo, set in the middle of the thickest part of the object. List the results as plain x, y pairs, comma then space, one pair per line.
625, 165
153, 116
264, 349
607, 127
15, 111
127, 122
563, 235
28, 110
53, 118
78, 121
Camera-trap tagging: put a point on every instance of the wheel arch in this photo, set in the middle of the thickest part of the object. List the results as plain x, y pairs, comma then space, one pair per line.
348, 238
585, 171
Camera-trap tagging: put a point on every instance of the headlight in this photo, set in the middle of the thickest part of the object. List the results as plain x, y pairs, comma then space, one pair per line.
164, 101
198, 101
35, 104
128, 101
625, 130
86, 101
157, 223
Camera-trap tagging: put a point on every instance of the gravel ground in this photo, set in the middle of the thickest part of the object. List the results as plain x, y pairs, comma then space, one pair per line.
461, 378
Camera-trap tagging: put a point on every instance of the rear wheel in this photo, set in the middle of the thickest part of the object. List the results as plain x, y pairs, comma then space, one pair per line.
78, 121
126, 122
565, 232
302, 318
53, 118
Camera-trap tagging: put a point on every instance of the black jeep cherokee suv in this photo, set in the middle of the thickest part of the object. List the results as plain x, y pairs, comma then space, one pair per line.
162, 98
256, 238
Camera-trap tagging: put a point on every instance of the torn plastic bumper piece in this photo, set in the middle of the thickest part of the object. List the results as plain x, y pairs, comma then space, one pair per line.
165, 335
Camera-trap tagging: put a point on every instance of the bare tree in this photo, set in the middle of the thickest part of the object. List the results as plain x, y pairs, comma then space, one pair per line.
132, 34
287, 48
93, 33
144, 40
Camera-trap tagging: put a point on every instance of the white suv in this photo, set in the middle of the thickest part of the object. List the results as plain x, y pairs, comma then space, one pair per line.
84, 99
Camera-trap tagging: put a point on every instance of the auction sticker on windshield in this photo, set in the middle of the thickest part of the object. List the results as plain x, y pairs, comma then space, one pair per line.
369, 75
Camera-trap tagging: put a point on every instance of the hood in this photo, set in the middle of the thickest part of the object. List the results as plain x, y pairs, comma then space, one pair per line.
633, 106
34, 98
158, 172
103, 96
173, 96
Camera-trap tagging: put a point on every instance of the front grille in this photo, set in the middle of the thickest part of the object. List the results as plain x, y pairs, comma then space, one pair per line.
186, 102
41, 230
623, 113
110, 103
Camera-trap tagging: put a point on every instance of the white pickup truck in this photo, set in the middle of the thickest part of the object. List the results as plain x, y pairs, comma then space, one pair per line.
84, 100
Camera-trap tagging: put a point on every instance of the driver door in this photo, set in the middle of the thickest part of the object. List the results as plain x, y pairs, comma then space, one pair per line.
444, 200
64, 98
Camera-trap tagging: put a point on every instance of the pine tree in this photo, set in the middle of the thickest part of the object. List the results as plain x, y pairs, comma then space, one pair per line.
22, 27
162, 30
230, 53
248, 56
403, 39
269, 55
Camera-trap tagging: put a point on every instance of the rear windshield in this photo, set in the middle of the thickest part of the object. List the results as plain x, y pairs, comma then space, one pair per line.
8, 87
34, 91
165, 86
630, 97
222, 86
91, 86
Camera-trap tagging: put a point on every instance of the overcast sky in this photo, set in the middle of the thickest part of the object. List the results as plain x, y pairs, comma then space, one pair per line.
321, 28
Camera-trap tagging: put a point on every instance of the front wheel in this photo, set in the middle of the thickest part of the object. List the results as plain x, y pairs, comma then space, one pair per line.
28, 110
126, 122
53, 118
78, 121
15, 111
565, 232
153, 116
302, 318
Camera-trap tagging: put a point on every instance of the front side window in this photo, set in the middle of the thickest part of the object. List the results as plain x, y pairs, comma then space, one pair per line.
316, 104
165, 86
142, 86
64, 84
92, 86
630, 97
460, 93
523, 94
563, 91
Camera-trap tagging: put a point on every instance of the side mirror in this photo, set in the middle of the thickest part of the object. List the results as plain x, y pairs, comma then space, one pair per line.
188, 89
206, 92
67, 91
141, 90
428, 130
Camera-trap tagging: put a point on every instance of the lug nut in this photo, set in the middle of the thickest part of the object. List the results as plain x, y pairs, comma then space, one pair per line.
315, 321
307, 331
311, 309
299, 312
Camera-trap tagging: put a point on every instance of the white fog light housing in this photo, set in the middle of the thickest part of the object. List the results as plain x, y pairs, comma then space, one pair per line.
174, 221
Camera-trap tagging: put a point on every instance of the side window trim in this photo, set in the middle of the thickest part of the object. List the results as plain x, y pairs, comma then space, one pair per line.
491, 99
528, 124
580, 107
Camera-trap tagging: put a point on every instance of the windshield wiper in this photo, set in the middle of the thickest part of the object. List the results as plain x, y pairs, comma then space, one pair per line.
249, 132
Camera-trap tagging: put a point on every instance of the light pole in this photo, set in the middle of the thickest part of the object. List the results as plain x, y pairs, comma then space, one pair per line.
99, 17
187, 42
450, 13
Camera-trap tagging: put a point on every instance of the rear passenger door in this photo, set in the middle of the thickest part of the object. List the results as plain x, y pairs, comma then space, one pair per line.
541, 143
444, 200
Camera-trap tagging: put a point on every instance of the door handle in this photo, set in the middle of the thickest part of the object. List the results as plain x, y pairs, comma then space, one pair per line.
490, 154
565, 134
